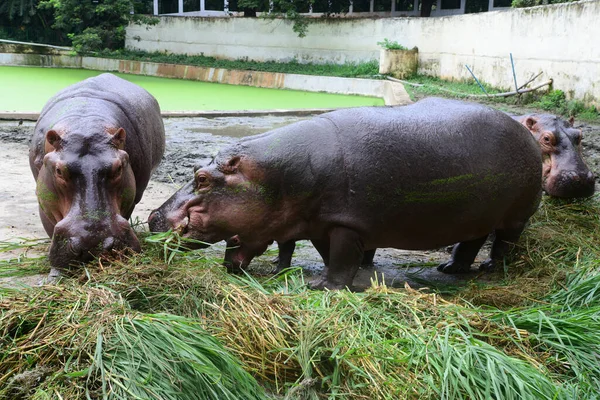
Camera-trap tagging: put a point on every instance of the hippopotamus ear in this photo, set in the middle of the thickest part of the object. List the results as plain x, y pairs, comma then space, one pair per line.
118, 139
529, 122
53, 139
572, 120
231, 167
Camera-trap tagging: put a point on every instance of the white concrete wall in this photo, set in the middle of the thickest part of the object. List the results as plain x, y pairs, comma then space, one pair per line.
561, 40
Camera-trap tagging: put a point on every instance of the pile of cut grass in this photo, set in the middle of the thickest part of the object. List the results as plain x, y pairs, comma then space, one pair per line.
152, 326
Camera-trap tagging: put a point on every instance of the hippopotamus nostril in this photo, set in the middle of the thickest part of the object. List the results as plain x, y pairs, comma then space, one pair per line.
156, 220
74, 247
571, 184
572, 175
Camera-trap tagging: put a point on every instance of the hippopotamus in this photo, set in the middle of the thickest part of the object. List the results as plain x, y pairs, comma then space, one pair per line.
565, 173
94, 147
417, 177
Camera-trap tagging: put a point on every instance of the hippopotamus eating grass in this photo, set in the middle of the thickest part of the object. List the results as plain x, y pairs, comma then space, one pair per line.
565, 173
416, 177
94, 147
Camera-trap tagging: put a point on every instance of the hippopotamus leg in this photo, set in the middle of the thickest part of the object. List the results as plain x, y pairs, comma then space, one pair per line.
368, 256
232, 244
502, 245
346, 251
463, 255
284, 259
286, 250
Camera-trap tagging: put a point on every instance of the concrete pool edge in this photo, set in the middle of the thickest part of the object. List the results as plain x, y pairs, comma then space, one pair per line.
393, 93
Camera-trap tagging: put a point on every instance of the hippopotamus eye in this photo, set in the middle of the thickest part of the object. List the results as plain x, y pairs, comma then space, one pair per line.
59, 173
202, 180
548, 139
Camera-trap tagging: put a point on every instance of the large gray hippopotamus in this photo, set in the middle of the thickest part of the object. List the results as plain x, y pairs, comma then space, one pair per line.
94, 147
417, 177
565, 174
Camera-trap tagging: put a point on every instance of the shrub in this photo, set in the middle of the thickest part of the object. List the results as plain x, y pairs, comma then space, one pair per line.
391, 45
554, 100
89, 40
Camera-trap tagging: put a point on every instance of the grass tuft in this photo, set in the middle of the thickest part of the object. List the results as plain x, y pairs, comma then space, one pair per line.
163, 356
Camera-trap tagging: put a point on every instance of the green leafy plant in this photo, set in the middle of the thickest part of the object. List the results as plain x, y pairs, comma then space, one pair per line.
555, 99
532, 3
94, 26
391, 45
88, 41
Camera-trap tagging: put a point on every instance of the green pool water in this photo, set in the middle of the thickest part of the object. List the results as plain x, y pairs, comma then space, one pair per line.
27, 89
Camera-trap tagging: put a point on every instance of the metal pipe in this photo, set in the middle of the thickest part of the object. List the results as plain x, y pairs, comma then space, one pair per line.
514, 73
529, 81
477, 80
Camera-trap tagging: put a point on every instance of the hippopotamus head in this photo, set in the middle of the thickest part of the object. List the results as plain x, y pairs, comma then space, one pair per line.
86, 191
222, 200
565, 173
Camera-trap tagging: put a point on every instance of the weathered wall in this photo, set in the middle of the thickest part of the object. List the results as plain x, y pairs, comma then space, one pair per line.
560, 40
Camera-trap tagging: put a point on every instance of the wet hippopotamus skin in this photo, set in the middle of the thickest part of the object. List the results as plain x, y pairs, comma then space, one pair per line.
94, 147
565, 173
417, 177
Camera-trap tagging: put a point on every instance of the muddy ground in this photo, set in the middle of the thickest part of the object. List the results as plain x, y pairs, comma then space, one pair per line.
195, 140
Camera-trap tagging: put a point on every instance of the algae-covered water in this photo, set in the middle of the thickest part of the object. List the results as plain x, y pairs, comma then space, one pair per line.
27, 89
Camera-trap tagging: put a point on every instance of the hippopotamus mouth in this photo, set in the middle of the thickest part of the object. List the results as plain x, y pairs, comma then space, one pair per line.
570, 184
66, 253
190, 238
